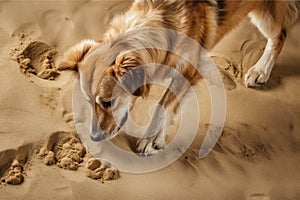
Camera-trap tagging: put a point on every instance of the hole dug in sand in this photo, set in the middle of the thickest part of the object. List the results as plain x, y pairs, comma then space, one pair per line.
14, 175
36, 58
66, 151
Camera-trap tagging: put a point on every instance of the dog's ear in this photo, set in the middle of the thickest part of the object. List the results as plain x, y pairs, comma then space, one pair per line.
131, 74
134, 81
75, 55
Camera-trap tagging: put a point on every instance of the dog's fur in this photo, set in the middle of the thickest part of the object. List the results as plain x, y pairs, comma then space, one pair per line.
102, 64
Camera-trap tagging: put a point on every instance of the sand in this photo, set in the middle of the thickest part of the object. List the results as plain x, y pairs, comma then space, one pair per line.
36, 58
41, 156
14, 174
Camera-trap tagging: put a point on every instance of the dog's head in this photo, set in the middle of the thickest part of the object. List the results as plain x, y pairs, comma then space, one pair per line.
110, 82
116, 92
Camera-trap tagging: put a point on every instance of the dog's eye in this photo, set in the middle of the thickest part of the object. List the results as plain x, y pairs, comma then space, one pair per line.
107, 104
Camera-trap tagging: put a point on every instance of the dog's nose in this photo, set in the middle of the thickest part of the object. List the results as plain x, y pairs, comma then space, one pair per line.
97, 136
96, 132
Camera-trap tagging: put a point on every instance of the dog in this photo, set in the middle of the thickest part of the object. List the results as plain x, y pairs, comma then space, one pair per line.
102, 65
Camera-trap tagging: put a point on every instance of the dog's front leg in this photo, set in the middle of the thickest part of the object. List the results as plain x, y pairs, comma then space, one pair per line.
155, 136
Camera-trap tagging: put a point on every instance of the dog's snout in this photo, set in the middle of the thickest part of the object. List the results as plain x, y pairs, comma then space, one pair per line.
96, 132
97, 136
124, 119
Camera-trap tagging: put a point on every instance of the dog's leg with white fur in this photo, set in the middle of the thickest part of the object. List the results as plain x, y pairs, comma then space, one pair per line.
260, 72
155, 136
273, 26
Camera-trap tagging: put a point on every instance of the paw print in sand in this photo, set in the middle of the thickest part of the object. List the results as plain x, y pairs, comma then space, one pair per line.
36, 58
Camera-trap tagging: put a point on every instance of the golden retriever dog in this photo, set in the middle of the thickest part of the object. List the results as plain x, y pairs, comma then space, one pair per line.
115, 71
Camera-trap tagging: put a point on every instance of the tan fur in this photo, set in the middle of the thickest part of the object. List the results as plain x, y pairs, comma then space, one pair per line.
205, 21
74, 55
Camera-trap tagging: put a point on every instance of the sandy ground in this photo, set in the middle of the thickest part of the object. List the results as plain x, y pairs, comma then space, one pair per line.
257, 157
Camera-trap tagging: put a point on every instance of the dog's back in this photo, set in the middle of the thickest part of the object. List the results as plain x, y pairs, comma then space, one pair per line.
205, 21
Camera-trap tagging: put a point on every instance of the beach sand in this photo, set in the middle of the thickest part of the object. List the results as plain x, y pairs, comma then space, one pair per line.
257, 156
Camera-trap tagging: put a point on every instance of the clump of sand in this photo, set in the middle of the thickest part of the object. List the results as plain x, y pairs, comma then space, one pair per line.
63, 149
14, 174
36, 58
66, 151
98, 170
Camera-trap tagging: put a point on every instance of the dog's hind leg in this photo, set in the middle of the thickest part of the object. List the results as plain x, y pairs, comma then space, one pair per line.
273, 25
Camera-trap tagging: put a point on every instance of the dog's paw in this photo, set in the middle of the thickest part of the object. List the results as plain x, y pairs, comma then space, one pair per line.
145, 147
255, 77
149, 146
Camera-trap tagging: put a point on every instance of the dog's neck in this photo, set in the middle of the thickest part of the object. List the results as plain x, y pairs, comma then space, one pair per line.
146, 13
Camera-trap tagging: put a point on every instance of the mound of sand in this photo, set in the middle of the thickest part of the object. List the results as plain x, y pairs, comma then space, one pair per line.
14, 175
63, 149
98, 170
36, 58
66, 151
